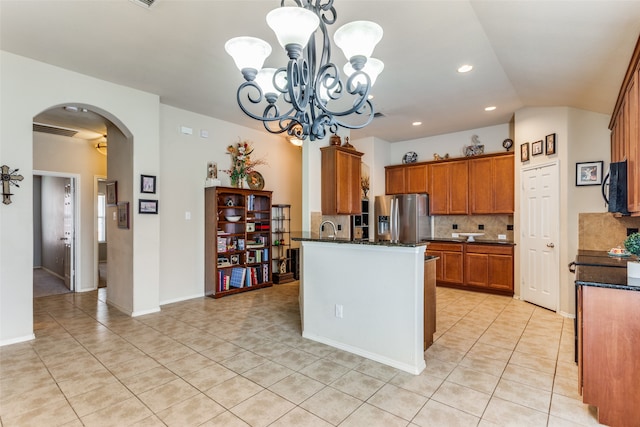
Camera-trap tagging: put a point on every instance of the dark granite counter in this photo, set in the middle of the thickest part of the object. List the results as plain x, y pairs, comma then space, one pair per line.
475, 242
308, 237
598, 268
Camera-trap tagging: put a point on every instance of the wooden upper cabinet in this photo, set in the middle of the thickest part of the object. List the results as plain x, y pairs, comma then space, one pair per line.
491, 184
448, 188
340, 181
416, 178
404, 179
625, 132
394, 180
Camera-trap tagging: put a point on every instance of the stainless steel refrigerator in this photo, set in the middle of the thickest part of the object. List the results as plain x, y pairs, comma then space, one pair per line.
402, 218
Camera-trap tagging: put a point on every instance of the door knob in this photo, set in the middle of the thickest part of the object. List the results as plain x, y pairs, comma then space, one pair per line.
551, 245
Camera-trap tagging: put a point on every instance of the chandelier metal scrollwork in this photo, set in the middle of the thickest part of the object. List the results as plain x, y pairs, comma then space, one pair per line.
308, 96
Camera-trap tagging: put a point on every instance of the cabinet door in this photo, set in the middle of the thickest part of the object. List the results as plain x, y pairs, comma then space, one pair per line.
348, 182
416, 178
452, 267
340, 181
503, 184
394, 180
476, 269
500, 272
439, 189
458, 187
481, 186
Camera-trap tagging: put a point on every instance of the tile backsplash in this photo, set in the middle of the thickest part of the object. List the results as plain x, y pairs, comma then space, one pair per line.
603, 231
492, 225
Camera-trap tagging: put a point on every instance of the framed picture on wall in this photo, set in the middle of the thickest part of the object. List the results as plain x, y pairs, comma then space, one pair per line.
147, 206
550, 144
123, 215
536, 148
524, 152
589, 173
112, 193
148, 184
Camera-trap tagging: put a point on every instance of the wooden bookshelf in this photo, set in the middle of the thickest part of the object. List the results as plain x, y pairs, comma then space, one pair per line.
237, 250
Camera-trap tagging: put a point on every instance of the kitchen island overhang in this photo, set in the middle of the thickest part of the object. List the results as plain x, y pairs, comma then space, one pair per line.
366, 298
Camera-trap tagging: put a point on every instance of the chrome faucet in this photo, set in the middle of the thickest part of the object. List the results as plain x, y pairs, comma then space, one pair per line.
322, 228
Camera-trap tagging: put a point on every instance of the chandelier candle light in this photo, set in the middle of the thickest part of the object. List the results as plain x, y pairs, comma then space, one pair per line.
308, 95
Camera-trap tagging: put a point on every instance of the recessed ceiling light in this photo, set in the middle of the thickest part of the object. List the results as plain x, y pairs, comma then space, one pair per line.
416, 123
465, 68
490, 108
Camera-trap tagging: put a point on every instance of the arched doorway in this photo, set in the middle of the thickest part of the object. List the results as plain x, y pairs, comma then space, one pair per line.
72, 137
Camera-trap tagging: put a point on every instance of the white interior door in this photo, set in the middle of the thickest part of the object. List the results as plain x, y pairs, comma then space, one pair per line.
540, 217
69, 234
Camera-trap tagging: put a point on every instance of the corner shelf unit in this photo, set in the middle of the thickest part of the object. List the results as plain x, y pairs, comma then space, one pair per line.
237, 253
360, 223
281, 243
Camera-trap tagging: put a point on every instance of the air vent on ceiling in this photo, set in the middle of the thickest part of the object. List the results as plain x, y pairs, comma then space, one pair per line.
144, 3
378, 114
54, 130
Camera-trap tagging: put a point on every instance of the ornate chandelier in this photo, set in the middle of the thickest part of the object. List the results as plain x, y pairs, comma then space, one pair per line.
308, 95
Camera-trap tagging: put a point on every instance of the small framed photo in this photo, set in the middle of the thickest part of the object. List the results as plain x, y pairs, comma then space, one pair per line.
589, 173
536, 148
123, 215
524, 152
112, 193
251, 227
148, 184
235, 259
147, 206
550, 144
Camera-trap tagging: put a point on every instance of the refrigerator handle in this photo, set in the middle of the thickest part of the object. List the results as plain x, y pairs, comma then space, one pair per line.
395, 220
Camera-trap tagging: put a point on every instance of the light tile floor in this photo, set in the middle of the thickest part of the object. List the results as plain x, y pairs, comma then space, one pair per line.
241, 361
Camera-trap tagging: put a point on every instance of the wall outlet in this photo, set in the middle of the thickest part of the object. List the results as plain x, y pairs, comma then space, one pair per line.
339, 311
454, 226
502, 237
339, 227
455, 235
509, 227
480, 226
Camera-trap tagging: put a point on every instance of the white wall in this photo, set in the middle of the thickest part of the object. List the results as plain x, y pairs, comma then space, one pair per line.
184, 169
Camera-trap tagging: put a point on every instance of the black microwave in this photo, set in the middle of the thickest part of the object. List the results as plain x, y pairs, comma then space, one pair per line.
614, 188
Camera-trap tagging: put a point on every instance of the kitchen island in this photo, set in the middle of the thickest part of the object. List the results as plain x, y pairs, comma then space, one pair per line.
608, 332
367, 298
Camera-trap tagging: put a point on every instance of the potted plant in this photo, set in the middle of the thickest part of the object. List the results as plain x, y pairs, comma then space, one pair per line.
632, 244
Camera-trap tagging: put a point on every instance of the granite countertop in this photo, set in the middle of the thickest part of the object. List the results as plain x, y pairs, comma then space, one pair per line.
598, 268
475, 242
309, 237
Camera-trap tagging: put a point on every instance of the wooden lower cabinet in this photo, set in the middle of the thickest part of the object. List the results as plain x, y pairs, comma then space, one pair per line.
608, 362
474, 266
450, 262
489, 266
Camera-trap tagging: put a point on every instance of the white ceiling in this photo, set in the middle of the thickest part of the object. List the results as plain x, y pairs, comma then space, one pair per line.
525, 53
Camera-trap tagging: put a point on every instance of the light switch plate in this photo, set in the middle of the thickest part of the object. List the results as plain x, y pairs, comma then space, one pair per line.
454, 235
502, 237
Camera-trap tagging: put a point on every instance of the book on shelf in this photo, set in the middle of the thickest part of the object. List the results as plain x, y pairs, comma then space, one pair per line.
237, 277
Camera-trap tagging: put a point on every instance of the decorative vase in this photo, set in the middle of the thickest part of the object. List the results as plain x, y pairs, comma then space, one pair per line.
236, 183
